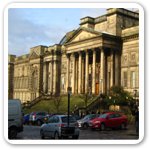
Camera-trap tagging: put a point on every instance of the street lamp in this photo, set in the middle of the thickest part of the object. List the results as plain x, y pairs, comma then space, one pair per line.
135, 93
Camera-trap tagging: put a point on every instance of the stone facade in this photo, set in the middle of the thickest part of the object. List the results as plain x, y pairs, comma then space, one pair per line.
102, 52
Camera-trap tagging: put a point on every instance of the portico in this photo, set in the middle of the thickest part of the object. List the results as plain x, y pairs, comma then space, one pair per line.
95, 62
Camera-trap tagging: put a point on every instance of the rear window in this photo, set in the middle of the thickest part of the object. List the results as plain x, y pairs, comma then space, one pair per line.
65, 119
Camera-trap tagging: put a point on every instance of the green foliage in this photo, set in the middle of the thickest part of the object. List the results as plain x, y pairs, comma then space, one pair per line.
118, 96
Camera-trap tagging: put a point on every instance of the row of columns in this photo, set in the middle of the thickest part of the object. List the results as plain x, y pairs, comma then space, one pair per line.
103, 71
49, 77
86, 71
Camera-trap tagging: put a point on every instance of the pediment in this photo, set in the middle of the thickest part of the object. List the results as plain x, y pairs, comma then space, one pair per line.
33, 55
82, 35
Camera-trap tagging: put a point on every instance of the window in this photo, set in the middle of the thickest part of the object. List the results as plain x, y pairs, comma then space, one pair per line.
117, 115
65, 119
133, 77
62, 83
125, 79
111, 116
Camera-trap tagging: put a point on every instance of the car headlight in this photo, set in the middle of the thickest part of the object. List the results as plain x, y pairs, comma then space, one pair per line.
97, 121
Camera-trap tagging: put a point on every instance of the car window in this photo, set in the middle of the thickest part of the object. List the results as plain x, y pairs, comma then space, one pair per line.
117, 115
65, 119
92, 116
103, 116
51, 120
56, 119
112, 116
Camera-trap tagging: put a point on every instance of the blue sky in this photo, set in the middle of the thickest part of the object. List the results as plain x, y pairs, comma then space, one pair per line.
29, 27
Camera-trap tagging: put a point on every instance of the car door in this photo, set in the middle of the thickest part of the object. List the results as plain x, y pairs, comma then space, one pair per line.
110, 120
55, 124
49, 127
118, 120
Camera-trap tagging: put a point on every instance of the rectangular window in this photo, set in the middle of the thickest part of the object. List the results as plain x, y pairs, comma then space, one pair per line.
133, 79
62, 83
125, 79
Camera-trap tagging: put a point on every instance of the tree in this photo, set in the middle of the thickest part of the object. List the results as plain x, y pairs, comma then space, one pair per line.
117, 95
57, 102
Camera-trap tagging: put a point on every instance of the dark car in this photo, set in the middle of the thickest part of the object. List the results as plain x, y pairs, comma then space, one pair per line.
36, 118
84, 122
109, 119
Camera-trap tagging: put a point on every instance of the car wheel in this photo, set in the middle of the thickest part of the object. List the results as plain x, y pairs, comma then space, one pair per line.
56, 135
123, 126
12, 133
42, 134
102, 127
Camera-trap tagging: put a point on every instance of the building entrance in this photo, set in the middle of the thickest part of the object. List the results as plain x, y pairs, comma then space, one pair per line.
97, 89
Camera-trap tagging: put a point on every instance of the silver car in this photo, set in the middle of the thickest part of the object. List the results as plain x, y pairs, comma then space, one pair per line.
57, 128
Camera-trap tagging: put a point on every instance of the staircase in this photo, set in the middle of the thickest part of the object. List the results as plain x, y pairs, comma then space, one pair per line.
32, 103
29, 104
94, 105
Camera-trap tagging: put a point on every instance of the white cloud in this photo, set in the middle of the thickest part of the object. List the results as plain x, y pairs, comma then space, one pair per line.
24, 34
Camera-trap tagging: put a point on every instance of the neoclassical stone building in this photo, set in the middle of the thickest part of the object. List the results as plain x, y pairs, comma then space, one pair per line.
102, 52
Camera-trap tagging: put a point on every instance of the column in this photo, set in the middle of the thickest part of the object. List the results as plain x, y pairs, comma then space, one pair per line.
46, 77
80, 72
49, 78
54, 76
86, 72
116, 68
68, 72
73, 75
93, 71
112, 68
83, 76
102, 76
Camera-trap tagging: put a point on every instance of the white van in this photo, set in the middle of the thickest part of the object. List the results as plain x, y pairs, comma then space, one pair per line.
15, 118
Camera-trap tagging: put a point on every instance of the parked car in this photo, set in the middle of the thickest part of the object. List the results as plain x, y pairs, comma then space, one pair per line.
26, 119
43, 119
57, 128
15, 118
84, 122
109, 119
77, 117
36, 118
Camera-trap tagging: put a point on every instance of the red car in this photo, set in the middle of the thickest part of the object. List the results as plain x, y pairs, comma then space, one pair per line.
109, 119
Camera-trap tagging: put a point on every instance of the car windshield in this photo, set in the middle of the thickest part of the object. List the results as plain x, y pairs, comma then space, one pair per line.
103, 116
65, 119
89, 116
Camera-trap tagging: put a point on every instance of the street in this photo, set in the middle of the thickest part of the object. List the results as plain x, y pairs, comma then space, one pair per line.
33, 133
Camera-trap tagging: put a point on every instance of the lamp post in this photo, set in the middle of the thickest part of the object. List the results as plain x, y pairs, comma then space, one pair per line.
135, 97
